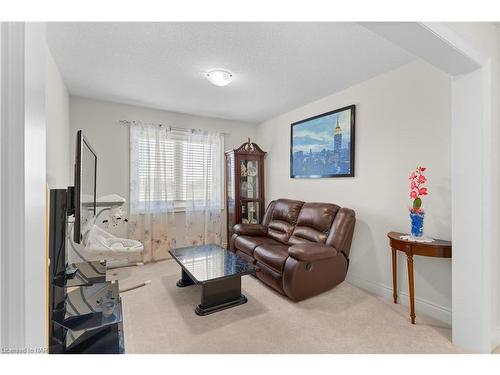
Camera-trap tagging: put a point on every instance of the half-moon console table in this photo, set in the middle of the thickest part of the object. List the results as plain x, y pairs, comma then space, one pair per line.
436, 249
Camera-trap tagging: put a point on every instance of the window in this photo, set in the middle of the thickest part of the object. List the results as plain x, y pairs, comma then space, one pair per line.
170, 169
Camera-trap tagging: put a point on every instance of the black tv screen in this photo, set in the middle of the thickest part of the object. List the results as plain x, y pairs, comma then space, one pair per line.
85, 186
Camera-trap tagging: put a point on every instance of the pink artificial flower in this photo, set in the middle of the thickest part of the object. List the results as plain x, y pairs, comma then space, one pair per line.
417, 180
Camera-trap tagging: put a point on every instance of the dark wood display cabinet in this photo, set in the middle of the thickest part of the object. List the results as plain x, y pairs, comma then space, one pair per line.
244, 185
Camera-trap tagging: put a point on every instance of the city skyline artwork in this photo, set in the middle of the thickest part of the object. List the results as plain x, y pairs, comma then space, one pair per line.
323, 145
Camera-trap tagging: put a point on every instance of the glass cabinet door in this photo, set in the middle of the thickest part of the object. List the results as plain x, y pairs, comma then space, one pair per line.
249, 179
249, 191
231, 219
244, 185
250, 212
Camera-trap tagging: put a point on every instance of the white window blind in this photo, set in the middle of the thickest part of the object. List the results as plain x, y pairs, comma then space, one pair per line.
197, 171
171, 171
155, 159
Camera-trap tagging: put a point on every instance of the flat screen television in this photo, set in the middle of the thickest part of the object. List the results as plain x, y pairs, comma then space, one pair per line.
85, 186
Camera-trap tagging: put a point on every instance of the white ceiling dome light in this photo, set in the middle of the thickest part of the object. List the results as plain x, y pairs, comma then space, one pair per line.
219, 77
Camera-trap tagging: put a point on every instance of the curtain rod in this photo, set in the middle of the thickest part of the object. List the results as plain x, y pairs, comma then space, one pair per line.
127, 122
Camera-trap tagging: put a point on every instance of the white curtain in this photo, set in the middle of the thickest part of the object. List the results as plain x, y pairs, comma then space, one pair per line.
175, 188
204, 183
152, 201
151, 183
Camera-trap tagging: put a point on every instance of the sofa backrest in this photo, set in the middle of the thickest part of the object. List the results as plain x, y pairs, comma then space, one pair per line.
342, 229
282, 217
294, 222
313, 223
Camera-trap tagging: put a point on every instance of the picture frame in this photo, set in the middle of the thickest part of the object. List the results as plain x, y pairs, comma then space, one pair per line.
323, 146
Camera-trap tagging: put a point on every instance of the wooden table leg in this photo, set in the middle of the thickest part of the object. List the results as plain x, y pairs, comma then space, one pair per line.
409, 259
394, 275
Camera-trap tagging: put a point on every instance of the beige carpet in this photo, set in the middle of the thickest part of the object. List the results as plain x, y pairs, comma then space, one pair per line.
160, 318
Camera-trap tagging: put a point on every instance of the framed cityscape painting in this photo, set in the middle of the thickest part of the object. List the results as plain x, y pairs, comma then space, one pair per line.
323, 146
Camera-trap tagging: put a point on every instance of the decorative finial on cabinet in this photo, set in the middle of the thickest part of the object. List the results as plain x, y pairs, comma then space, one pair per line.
249, 146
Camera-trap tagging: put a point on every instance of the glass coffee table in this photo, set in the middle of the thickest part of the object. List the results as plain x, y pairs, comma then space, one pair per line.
218, 271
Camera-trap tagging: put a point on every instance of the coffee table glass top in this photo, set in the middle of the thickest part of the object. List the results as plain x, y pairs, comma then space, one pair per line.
208, 262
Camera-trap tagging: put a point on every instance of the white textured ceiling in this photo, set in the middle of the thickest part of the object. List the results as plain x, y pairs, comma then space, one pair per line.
276, 66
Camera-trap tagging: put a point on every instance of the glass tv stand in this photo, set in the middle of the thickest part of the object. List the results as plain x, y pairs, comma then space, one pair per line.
92, 319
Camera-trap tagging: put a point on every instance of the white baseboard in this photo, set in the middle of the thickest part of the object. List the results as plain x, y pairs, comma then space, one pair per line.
428, 308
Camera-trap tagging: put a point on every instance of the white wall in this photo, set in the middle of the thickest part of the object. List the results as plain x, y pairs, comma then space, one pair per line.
496, 339
58, 128
467, 98
402, 120
2, 211
100, 122
35, 186
12, 181
483, 39
22, 199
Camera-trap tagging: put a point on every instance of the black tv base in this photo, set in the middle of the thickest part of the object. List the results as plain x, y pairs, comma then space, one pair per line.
85, 310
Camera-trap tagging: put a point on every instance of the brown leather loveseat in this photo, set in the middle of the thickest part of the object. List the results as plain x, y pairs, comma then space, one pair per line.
301, 249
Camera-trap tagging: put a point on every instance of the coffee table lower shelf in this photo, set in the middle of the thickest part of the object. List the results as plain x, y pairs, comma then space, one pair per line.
217, 294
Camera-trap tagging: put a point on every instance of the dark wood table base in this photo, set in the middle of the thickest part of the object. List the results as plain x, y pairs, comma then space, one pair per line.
185, 280
436, 249
216, 295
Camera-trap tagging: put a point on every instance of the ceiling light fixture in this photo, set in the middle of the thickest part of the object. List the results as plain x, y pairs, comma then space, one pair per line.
219, 77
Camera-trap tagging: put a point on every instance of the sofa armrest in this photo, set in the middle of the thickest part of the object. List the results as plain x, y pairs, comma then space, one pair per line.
312, 252
250, 229
320, 269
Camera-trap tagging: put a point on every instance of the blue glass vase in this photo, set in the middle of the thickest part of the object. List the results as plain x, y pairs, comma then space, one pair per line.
417, 223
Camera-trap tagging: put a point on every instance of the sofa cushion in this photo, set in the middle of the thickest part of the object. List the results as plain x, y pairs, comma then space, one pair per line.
283, 219
313, 223
273, 256
312, 252
245, 256
247, 244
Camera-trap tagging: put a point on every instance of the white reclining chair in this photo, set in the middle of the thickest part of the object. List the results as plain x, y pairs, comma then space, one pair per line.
98, 245
101, 245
